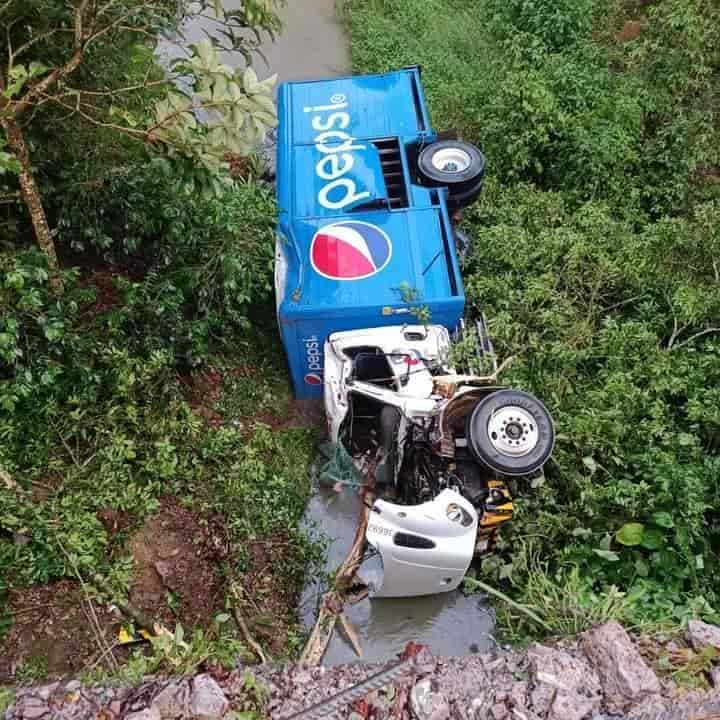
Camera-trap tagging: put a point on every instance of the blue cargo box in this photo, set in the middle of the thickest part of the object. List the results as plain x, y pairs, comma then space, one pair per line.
354, 227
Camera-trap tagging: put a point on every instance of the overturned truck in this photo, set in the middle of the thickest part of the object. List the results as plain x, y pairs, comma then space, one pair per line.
370, 301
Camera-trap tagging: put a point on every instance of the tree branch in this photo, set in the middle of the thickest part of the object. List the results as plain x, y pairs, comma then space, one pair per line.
79, 20
697, 335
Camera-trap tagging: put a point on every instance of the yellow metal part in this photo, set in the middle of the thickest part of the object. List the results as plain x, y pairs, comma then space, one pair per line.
498, 510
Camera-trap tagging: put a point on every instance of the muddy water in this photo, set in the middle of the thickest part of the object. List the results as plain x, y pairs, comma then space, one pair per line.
312, 44
449, 624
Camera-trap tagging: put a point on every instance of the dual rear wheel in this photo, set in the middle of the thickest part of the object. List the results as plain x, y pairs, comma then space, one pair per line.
456, 165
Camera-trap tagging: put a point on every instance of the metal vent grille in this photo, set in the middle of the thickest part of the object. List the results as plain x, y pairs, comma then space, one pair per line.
392, 168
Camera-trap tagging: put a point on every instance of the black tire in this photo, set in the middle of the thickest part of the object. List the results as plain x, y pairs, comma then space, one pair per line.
503, 453
456, 165
460, 200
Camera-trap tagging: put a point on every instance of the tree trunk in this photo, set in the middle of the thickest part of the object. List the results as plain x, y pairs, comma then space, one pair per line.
33, 201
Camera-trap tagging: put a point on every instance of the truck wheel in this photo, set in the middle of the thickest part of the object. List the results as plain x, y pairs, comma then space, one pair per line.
454, 164
511, 432
460, 200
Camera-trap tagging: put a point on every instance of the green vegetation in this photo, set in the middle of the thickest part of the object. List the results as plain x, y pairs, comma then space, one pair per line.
597, 260
105, 406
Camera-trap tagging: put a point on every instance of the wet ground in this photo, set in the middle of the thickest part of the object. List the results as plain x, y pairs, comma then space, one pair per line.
449, 624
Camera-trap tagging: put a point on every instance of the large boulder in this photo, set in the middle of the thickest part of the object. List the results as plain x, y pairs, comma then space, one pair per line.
564, 687
625, 677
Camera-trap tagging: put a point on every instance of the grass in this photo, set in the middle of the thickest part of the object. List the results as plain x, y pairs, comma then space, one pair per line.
7, 697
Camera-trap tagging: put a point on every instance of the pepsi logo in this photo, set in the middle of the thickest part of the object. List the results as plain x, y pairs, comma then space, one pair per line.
313, 379
350, 250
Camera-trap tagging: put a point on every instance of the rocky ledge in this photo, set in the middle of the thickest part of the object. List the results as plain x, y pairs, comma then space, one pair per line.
600, 675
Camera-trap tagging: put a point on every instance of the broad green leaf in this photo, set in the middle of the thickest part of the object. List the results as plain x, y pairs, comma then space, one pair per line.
630, 534
608, 555
663, 519
590, 464
653, 538
37, 69
250, 80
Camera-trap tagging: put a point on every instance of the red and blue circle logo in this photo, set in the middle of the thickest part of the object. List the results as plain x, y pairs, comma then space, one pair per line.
350, 250
313, 379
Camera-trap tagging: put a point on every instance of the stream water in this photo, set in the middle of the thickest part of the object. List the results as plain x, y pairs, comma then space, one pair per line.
313, 45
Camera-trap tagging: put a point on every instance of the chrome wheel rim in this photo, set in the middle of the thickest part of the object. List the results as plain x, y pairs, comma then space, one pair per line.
513, 431
451, 160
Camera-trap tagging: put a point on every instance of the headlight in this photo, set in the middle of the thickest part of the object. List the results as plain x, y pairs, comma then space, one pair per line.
458, 514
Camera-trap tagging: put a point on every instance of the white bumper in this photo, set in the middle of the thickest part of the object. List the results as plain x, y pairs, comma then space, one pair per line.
423, 550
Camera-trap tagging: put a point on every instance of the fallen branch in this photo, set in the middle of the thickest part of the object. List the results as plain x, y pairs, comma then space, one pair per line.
92, 617
137, 616
333, 601
251, 641
350, 633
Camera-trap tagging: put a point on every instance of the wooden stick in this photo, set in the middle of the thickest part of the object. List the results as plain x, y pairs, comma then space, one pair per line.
251, 641
350, 633
133, 613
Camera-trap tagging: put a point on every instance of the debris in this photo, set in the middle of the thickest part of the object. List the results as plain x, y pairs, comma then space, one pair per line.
35, 709
555, 683
624, 676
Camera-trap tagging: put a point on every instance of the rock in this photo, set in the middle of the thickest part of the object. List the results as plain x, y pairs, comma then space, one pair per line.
163, 569
72, 686
625, 677
45, 691
715, 676
565, 687
115, 708
427, 704
518, 694
207, 700
701, 634
150, 713
32, 709
500, 711
424, 662
173, 700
